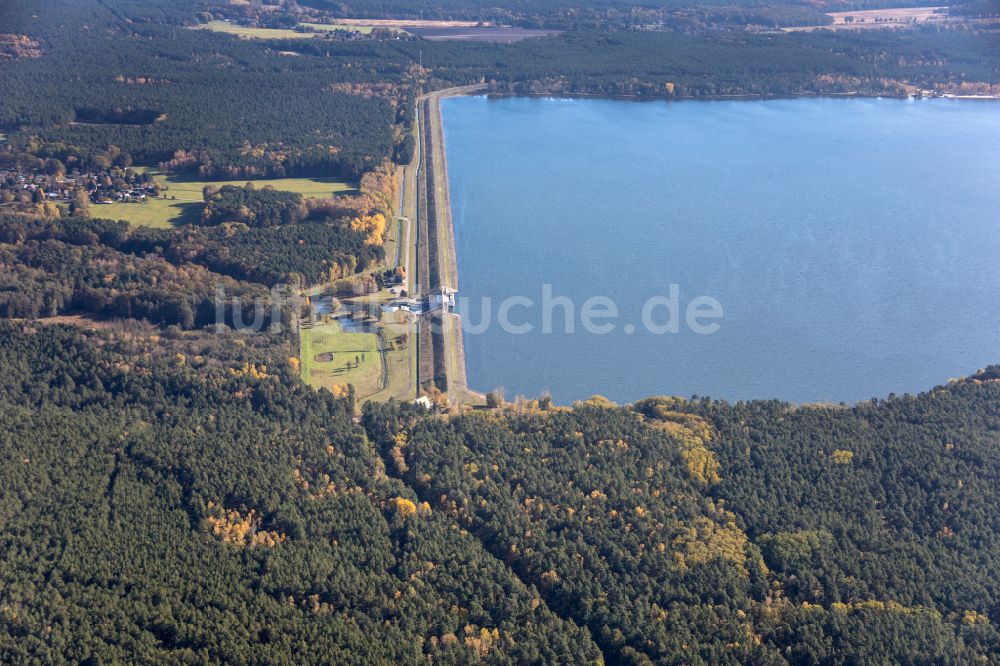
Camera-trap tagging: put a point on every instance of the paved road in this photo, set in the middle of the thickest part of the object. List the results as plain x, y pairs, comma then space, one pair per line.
403, 249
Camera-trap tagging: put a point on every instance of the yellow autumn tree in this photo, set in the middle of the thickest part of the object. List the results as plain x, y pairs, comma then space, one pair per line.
372, 226
702, 464
692, 432
234, 528
404, 507
703, 540
250, 370
842, 457
595, 401
396, 454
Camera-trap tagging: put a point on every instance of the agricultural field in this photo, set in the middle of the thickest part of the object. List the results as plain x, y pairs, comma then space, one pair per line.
157, 213
898, 17
246, 32
183, 199
401, 359
889, 16
330, 357
253, 33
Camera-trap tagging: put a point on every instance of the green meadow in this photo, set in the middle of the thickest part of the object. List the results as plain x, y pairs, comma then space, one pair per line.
253, 33
329, 357
183, 201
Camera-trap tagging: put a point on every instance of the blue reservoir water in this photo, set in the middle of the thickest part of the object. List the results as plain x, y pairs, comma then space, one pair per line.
851, 245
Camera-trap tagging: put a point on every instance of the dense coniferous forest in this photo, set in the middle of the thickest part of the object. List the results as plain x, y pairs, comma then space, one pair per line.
172, 492
704, 532
76, 266
146, 97
652, 65
105, 268
302, 254
227, 516
210, 507
252, 207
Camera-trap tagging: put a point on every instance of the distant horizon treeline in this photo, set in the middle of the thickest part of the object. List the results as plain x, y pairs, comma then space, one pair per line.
149, 91
158, 92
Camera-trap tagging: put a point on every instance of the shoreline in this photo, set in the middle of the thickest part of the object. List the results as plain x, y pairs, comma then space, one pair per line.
743, 96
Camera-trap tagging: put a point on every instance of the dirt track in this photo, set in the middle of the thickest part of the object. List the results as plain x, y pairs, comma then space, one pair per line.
403, 23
